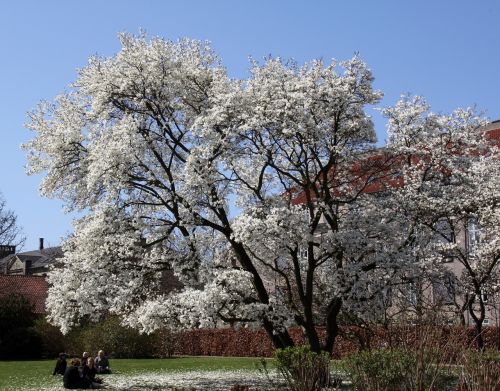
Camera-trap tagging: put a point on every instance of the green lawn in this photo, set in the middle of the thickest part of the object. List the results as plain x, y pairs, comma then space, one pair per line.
128, 373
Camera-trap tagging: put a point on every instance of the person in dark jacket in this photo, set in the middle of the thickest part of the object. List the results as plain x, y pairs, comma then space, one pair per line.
102, 363
89, 373
60, 365
72, 378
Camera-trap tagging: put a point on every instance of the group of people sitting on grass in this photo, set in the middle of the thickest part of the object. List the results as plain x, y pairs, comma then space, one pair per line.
82, 373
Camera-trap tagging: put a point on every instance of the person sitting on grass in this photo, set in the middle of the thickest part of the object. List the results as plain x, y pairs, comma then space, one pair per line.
85, 355
72, 378
89, 372
102, 363
60, 365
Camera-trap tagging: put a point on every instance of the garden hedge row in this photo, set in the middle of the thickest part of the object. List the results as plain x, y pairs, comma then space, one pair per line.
249, 342
122, 342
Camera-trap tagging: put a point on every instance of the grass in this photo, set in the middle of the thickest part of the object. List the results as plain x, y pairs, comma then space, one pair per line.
37, 375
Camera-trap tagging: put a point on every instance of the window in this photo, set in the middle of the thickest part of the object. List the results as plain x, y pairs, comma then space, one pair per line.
409, 292
486, 321
443, 290
473, 234
445, 232
484, 296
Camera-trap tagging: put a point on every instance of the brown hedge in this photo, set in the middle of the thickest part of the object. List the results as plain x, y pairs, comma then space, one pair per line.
245, 342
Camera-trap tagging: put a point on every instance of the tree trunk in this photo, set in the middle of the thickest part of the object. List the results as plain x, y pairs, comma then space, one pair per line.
312, 337
280, 339
478, 321
332, 327
478, 327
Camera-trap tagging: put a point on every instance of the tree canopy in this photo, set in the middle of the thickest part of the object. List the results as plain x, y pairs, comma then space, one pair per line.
257, 193
451, 194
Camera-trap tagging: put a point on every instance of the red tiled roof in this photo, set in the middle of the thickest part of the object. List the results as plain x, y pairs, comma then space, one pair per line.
34, 288
379, 166
494, 134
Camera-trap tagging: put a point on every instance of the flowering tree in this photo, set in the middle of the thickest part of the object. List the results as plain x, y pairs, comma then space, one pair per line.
246, 189
451, 193
262, 195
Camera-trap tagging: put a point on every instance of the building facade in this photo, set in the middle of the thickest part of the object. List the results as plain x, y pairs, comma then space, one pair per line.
29, 263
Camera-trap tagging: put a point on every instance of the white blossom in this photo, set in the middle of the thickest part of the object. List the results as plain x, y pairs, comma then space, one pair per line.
158, 147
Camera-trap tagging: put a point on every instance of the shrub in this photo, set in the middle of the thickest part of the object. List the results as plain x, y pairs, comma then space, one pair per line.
165, 342
480, 371
109, 335
378, 369
396, 370
21, 344
15, 312
302, 369
52, 340
18, 340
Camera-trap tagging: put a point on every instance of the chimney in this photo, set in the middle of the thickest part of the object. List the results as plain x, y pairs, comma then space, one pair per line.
41, 244
6, 250
27, 267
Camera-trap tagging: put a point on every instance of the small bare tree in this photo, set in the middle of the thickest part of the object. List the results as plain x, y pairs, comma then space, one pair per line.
10, 232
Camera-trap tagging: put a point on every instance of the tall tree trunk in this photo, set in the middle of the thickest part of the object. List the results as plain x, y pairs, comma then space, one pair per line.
332, 327
280, 339
478, 320
307, 302
479, 335
312, 337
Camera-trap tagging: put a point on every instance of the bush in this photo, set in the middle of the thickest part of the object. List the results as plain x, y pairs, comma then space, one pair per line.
302, 369
480, 371
378, 369
15, 312
109, 335
396, 370
21, 344
165, 342
52, 340
18, 340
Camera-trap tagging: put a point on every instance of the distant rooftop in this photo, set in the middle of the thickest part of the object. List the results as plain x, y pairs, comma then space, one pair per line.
38, 258
493, 125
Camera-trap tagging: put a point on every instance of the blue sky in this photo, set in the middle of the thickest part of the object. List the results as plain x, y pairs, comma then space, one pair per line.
447, 51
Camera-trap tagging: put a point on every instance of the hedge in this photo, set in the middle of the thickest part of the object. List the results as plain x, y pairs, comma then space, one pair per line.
119, 341
245, 342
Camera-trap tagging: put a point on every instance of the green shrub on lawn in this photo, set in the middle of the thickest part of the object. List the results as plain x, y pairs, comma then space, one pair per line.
109, 335
378, 369
397, 370
303, 369
52, 340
